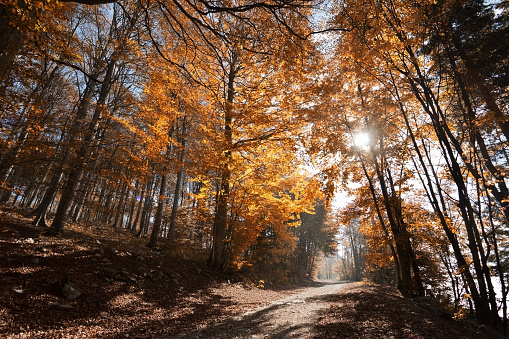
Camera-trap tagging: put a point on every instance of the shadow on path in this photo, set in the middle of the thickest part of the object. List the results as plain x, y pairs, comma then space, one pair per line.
292, 317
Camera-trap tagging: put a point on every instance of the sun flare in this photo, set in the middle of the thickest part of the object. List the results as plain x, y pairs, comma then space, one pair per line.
361, 139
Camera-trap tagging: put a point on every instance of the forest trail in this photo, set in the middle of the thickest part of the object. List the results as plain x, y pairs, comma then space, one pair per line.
292, 317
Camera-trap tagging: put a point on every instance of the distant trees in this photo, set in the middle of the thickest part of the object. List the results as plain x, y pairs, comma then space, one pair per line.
287, 252
353, 248
316, 235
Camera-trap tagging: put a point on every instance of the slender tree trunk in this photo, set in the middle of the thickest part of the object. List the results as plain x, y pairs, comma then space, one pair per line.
477, 287
218, 259
174, 209
106, 211
176, 194
133, 207
76, 172
43, 208
6, 196
119, 212
156, 227
41, 211
82, 193
140, 206
147, 208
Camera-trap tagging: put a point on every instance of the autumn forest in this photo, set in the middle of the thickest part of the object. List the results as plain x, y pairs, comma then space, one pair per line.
269, 136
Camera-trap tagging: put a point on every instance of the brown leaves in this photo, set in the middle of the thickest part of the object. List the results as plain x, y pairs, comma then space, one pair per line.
370, 311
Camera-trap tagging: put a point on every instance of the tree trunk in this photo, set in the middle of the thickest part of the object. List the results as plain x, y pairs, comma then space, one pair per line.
41, 211
478, 290
83, 191
176, 194
133, 206
218, 258
77, 170
140, 206
147, 208
119, 212
11, 41
106, 210
156, 227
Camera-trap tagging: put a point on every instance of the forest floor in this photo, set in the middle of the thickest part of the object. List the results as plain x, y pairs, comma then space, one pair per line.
101, 282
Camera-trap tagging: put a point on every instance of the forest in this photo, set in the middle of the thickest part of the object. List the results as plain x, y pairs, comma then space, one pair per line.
270, 136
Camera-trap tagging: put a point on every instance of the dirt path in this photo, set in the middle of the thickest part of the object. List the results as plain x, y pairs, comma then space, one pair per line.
291, 317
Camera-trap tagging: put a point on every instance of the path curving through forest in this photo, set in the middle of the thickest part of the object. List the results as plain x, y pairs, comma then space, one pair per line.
291, 317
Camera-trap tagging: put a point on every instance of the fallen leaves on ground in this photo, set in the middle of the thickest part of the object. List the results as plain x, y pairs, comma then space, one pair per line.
117, 288
125, 289
372, 312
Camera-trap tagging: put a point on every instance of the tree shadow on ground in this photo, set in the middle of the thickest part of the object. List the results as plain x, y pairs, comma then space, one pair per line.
115, 284
246, 326
258, 323
381, 312
138, 292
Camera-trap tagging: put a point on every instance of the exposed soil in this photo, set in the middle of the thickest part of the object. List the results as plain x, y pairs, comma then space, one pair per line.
99, 282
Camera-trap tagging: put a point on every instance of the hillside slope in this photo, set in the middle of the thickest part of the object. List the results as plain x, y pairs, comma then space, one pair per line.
99, 282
